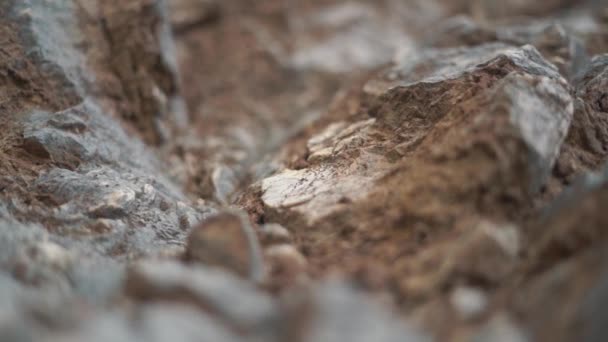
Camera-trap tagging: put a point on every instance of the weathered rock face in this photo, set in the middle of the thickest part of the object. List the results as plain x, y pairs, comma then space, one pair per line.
558, 42
414, 117
135, 64
451, 176
585, 147
87, 179
80, 191
423, 181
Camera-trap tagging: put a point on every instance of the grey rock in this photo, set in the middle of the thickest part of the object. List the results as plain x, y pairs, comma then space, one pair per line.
586, 146
591, 82
542, 124
151, 322
409, 91
90, 213
340, 313
557, 42
274, 233
210, 289
414, 102
500, 328
180, 323
96, 280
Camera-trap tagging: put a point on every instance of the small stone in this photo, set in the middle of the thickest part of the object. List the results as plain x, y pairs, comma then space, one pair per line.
115, 205
225, 182
184, 223
469, 302
227, 240
287, 265
273, 233
52, 254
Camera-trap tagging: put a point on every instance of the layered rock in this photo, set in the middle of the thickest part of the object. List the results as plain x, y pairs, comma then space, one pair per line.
411, 118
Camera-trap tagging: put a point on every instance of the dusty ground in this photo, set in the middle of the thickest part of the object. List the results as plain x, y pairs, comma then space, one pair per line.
282, 170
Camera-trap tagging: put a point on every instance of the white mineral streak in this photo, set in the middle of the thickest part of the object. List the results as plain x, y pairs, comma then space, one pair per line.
319, 190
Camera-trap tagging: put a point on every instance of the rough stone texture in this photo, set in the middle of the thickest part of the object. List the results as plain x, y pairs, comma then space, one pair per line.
135, 64
412, 169
420, 109
586, 144
557, 41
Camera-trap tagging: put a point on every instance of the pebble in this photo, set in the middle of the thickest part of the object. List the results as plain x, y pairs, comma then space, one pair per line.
286, 264
469, 302
227, 240
274, 233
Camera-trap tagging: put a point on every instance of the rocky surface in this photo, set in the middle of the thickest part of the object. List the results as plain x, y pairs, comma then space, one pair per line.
177, 170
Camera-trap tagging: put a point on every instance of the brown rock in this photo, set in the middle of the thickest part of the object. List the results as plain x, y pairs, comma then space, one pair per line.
287, 266
227, 240
586, 146
188, 14
273, 234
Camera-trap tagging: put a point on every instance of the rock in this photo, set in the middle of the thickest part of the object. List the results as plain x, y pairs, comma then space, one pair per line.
273, 234
287, 266
227, 240
96, 281
565, 258
46, 255
585, 146
300, 52
410, 105
336, 312
501, 328
586, 141
572, 280
83, 197
187, 14
469, 302
137, 65
63, 147
567, 236
224, 182
487, 254
163, 322
14, 236
451, 71
417, 149
357, 39
211, 290
152, 322
557, 42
